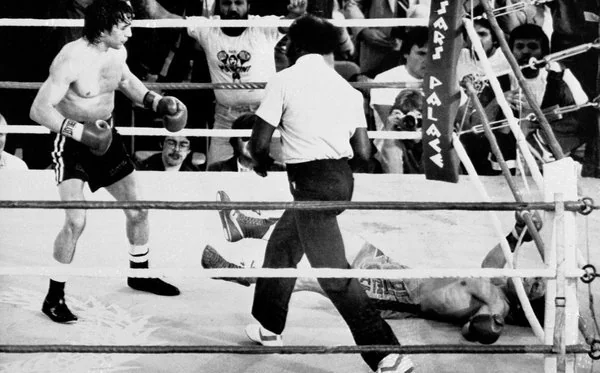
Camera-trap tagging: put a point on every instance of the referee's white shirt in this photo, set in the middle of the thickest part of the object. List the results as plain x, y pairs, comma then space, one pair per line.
315, 110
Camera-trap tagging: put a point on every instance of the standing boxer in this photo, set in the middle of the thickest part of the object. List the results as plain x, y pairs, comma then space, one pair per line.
76, 102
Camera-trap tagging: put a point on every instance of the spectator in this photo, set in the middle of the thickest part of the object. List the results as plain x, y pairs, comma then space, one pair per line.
403, 156
375, 43
476, 144
7, 160
414, 50
551, 87
242, 160
175, 155
468, 62
244, 54
576, 23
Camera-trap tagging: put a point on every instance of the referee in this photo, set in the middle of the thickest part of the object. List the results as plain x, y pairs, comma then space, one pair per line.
322, 124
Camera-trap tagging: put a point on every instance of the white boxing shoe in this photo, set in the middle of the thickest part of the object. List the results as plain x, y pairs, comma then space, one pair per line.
258, 334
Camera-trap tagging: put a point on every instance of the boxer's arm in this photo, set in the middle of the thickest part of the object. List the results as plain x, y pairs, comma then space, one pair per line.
53, 90
154, 9
260, 145
132, 86
487, 293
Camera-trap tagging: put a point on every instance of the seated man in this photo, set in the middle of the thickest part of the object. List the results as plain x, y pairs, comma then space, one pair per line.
176, 155
241, 159
481, 305
552, 87
7, 160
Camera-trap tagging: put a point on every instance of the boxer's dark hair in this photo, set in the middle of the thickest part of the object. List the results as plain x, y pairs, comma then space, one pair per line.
103, 15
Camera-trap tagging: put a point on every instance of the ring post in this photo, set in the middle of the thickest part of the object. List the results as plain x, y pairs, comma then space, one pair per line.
560, 179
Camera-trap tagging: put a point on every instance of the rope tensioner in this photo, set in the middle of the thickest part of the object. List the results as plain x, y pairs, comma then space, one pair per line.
511, 8
262, 350
534, 63
553, 113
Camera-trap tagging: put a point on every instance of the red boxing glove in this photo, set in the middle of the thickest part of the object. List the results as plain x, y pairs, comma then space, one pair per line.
173, 111
483, 328
97, 136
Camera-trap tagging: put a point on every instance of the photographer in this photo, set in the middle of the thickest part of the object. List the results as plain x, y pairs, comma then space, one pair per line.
403, 156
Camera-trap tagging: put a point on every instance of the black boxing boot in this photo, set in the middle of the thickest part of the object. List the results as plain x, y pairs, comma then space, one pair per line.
54, 305
150, 285
212, 259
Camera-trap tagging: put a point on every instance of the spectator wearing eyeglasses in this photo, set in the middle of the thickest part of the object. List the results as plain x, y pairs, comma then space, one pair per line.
175, 156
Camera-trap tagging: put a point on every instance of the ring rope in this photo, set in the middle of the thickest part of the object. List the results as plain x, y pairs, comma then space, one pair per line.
295, 205
244, 349
391, 274
239, 85
206, 22
495, 148
536, 327
200, 132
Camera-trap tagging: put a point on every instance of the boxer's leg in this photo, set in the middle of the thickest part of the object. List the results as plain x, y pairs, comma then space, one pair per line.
137, 228
54, 305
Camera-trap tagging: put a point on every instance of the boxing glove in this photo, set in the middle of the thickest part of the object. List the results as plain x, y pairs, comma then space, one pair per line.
520, 224
483, 328
97, 136
173, 111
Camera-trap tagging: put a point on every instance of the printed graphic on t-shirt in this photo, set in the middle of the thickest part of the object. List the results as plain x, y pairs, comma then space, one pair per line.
234, 63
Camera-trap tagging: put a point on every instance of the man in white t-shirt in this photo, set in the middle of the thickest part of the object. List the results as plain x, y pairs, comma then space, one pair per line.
414, 49
237, 55
7, 160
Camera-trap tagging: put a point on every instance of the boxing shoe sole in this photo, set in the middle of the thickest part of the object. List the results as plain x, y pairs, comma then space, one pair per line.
58, 312
255, 334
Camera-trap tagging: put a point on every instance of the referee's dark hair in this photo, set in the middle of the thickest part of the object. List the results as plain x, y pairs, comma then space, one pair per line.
311, 34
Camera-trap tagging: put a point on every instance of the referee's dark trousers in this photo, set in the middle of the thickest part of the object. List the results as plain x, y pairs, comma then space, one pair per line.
317, 234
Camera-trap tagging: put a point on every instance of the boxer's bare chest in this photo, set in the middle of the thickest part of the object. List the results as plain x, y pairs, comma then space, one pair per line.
99, 75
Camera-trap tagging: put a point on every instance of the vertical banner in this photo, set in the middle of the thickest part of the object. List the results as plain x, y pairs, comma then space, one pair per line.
442, 94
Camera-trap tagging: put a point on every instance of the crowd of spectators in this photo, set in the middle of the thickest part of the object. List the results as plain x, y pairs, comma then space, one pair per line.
365, 54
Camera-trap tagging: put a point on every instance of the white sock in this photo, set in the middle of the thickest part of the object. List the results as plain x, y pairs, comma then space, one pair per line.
60, 277
139, 253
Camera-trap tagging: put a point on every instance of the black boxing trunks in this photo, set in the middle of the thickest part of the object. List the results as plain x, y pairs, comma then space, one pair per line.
73, 160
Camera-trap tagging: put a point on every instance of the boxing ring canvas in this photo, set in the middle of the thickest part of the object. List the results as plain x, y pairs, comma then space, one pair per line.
214, 312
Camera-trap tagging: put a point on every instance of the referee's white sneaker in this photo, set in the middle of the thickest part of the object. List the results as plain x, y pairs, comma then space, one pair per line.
258, 334
394, 363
